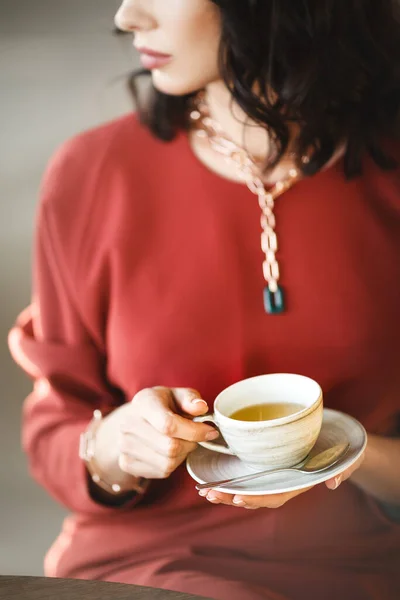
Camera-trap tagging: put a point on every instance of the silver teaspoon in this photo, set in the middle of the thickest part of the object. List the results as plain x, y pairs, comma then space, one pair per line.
315, 464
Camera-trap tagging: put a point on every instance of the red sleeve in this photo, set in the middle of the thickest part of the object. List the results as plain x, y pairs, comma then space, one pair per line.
52, 345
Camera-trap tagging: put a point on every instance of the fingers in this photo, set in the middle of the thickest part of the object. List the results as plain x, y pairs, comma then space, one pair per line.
155, 439
335, 482
138, 468
143, 461
190, 401
151, 438
251, 502
156, 406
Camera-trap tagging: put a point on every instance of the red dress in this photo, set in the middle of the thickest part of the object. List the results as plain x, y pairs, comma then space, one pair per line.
148, 272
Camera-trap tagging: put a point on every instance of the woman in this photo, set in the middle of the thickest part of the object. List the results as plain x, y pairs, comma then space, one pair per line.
149, 285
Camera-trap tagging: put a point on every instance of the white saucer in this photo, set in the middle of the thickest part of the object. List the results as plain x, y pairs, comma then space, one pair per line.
337, 428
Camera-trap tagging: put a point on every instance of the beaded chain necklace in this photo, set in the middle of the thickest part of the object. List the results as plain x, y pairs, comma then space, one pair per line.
249, 171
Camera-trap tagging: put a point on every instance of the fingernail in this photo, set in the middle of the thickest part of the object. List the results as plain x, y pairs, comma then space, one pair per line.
238, 502
213, 435
212, 498
338, 481
203, 493
199, 401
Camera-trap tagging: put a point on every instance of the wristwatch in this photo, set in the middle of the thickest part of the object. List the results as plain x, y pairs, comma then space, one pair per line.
87, 452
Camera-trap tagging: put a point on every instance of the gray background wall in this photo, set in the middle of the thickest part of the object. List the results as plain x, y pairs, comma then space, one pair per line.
59, 70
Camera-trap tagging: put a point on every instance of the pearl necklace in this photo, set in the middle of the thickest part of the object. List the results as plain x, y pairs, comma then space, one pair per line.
249, 171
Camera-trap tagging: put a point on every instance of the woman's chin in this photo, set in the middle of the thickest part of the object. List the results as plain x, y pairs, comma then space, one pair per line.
172, 85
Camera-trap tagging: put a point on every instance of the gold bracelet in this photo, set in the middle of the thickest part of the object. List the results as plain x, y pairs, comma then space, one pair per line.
87, 449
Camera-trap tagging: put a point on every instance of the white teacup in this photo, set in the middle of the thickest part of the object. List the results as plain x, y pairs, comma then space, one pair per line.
274, 443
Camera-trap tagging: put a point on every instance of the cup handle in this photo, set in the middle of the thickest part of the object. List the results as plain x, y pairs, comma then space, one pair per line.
214, 446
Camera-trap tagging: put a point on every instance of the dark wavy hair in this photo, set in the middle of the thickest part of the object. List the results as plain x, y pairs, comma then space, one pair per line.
333, 65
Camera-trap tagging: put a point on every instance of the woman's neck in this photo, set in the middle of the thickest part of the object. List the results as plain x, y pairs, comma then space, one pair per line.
235, 123
237, 126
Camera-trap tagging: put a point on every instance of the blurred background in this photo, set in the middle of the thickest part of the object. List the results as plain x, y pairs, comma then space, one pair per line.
62, 70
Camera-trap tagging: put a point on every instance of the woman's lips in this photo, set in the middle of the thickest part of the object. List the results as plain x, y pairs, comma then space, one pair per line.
152, 59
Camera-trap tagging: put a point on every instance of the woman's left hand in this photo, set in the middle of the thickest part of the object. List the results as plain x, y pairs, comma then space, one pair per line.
274, 500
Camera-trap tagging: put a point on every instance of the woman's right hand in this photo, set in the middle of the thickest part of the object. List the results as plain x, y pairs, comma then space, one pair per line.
152, 435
